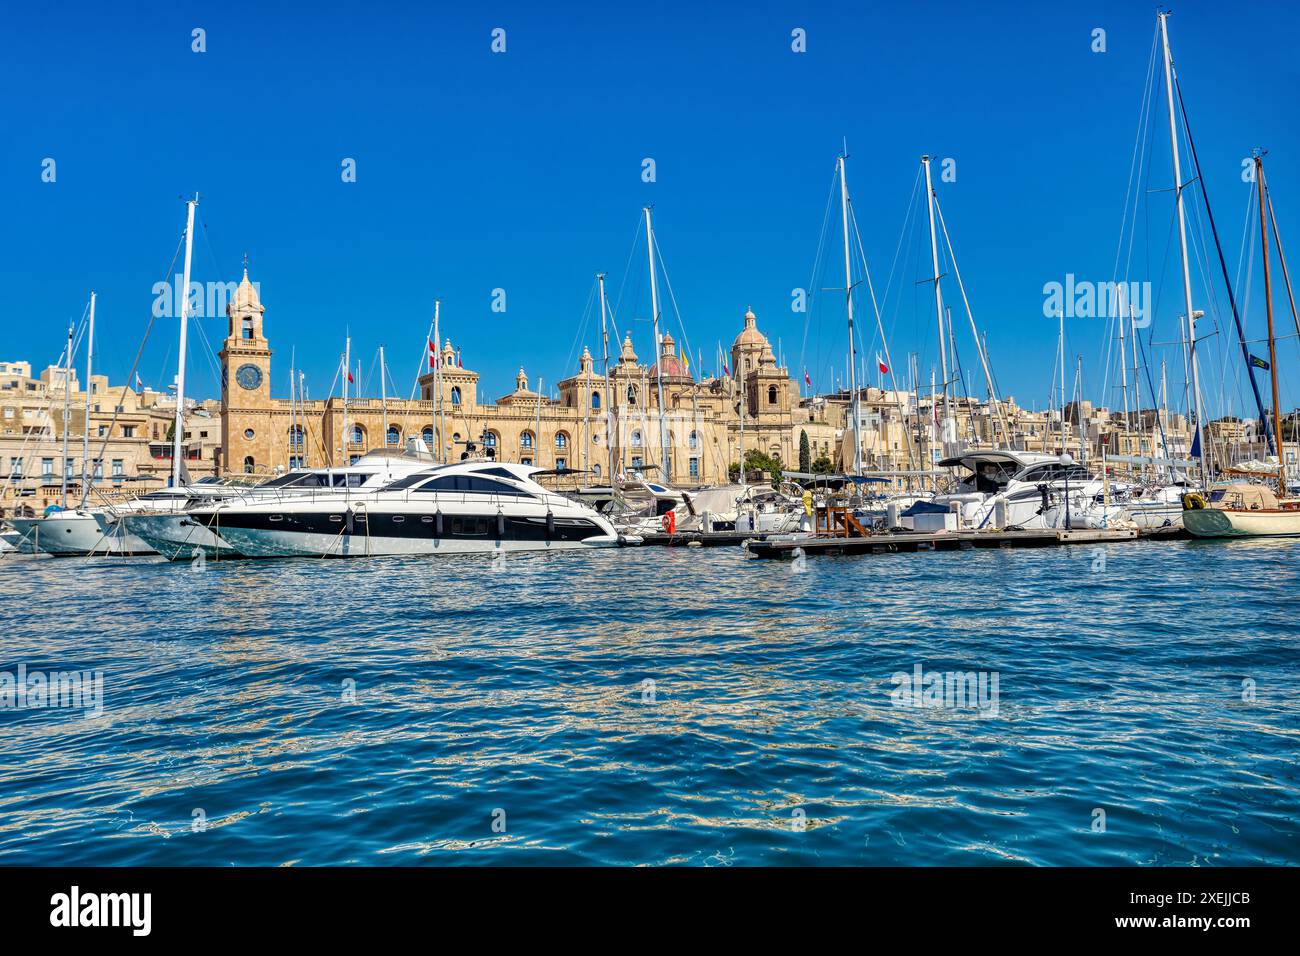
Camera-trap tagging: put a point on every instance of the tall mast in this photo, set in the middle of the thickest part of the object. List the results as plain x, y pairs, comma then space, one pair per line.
293, 412
178, 428
1268, 307
383, 395
1060, 343
1190, 318
609, 393
67, 416
537, 457
848, 302
665, 472
302, 418
1123, 357
86, 472
347, 374
440, 438
938, 292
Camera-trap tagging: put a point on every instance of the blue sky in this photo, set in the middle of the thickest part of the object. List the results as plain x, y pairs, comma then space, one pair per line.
522, 171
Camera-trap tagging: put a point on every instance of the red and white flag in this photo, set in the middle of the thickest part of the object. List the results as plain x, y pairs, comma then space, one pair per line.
806, 380
433, 355
880, 363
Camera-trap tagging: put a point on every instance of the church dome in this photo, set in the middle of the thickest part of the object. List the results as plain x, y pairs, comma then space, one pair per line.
246, 298
670, 362
750, 337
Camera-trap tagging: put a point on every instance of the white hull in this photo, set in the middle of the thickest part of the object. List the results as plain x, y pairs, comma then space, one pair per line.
1224, 523
78, 533
275, 544
177, 536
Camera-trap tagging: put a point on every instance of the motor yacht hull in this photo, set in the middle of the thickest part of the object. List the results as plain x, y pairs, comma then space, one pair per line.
178, 537
262, 534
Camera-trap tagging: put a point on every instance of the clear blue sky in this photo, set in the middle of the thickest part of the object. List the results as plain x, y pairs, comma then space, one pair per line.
522, 171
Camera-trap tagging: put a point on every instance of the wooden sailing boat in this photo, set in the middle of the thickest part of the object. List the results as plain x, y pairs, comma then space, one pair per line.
1247, 510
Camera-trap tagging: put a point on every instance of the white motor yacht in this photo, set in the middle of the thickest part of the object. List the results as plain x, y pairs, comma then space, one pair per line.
472, 506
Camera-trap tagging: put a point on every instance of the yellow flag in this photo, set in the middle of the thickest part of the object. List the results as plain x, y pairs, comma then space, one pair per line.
686, 359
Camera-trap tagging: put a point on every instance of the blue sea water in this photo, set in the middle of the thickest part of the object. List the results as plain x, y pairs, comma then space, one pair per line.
396, 711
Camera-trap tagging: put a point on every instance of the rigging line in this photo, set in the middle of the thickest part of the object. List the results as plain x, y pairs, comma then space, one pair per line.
681, 326
1139, 150
816, 270
884, 342
1196, 163
627, 269
582, 329
1277, 241
136, 364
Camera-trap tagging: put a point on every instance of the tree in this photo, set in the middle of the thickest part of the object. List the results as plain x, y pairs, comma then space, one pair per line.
805, 452
822, 465
756, 460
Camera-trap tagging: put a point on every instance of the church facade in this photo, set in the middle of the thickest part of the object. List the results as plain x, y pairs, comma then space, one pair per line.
690, 437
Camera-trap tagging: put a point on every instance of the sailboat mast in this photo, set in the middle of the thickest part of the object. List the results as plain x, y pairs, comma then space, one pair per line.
178, 428
938, 292
439, 439
67, 417
609, 392
293, 412
1268, 308
659, 379
1190, 319
86, 472
347, 374
1123, 354
848, 302
1061, 349
383, 395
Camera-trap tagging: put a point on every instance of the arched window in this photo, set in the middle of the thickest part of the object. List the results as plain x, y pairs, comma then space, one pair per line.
771, 395
595, 399
595, 470
636, 438
526, 441
394, 436
248, 327
248, 465
455, 394
426, 434
693, 439
295, 437
561, 439
631, 394
489, 439
358, 435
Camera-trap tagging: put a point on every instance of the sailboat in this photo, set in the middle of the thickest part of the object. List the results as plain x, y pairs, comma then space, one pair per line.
1242, 509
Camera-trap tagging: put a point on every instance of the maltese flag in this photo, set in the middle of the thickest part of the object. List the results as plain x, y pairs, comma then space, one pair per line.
880, 364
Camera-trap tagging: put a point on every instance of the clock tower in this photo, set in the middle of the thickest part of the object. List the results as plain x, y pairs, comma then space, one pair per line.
245, 384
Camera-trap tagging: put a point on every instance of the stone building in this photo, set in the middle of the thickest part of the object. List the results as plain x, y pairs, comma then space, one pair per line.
707, 421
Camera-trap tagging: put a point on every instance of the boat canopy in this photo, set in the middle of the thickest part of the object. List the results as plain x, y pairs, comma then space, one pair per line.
1243, 495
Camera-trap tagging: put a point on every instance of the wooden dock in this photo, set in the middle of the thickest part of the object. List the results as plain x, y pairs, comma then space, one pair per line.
702, 539
788, 546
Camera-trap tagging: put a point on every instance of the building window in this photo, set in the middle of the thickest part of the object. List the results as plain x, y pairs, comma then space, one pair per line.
695, 467
118, 468
525, 461
489, 439
636, 438
595, 400
248, 465
693, 440
295, 461
455, 394
358, 435
394, 435
595, 470
67, 468
561, 439
426, 434
636, 461
16, 467
99, 468
526, 441
47, 467
295, 437
128, 431
561, 463
771, 395
248, 433
248, 328
631, 394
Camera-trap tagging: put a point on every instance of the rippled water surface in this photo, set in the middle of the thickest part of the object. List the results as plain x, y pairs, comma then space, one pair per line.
397, 711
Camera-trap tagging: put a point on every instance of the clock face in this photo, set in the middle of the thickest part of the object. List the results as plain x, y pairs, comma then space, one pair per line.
248, 376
